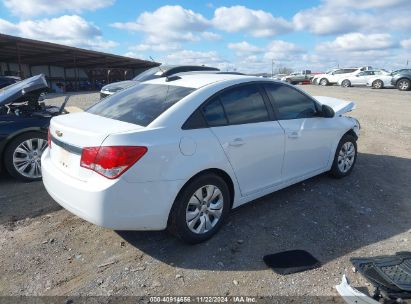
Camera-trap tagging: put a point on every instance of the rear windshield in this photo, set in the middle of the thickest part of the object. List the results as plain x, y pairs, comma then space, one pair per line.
149, 74
140, 104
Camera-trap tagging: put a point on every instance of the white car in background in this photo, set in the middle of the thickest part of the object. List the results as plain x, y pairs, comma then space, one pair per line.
332, 76
361, 78
181, 152
382, 81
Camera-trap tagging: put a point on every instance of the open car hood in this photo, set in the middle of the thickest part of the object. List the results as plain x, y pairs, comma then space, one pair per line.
14, 92
338, 105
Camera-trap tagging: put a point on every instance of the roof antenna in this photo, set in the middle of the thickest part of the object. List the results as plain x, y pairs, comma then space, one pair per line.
156, 62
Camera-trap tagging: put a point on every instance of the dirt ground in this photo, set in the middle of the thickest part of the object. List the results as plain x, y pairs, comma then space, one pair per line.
45, 250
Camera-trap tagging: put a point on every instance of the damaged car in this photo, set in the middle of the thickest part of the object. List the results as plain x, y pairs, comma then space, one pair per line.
181, 152
24, 120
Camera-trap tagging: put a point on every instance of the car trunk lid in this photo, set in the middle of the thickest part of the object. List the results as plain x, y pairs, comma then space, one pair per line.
71, 133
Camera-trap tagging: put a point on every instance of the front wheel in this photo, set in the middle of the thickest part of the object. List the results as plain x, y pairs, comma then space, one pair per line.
200, 209
345, 157
404, 84
23, 154
324, 82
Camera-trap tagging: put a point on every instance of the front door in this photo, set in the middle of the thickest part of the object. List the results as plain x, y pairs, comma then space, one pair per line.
308, 138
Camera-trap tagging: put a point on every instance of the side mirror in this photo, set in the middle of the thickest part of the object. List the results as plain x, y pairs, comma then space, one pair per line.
327, 111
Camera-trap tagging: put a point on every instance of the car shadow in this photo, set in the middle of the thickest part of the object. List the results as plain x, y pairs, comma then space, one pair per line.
20, 200
325, 216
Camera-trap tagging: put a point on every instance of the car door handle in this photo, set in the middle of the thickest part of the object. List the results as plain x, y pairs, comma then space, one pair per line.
293, 134
238, 142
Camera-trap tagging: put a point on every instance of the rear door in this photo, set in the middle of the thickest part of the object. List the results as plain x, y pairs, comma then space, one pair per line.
253, 141
308, 138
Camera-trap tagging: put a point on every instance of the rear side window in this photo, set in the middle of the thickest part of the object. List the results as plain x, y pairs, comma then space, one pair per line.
140, 104
214, 113
291, 104
244, 104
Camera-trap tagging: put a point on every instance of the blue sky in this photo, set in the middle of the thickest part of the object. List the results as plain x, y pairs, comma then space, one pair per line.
231, 34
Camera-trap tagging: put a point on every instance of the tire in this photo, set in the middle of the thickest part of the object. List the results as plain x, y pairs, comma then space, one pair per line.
189, 205
346, 83
343, 164
377, 84
22, 156
324, 82
404, 84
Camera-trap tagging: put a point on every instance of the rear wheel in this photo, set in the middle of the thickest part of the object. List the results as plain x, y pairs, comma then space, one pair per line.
200, 209
346, 83
23, 154
404, 84
377, 84
324, 82
345, 157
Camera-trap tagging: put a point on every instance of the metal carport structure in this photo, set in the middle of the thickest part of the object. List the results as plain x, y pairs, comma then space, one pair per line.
29, 52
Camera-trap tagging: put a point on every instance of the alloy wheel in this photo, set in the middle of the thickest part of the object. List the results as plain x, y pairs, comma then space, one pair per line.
403, 85
377, 84
204, 209
346, 157
27, 156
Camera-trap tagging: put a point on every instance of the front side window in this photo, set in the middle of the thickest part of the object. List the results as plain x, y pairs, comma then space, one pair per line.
291, 104
140, 104
244, 104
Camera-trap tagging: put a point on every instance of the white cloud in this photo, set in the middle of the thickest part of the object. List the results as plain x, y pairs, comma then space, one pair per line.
71, 30
282, 50
210, 58
257, 23
324, 20
143, 47
244, 48
406, 44
344, 16
134, 55
357, 42
26, 8
211, 36
366, 4
168, 24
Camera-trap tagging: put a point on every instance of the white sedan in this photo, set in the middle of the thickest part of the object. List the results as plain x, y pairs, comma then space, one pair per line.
382, 81
361, 78
180, 152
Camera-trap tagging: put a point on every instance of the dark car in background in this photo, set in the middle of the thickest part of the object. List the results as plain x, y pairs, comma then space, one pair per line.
156, 72
8, 80
24, 121
402, 80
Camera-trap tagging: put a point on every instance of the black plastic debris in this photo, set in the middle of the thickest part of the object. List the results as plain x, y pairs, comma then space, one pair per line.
291, 261
390, 275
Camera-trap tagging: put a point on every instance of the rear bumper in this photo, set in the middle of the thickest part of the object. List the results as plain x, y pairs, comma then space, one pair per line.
115, 204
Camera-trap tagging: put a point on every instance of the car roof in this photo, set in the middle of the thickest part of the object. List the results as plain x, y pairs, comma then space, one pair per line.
199, 80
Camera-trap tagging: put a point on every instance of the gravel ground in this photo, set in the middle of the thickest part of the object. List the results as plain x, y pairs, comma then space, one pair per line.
45, 250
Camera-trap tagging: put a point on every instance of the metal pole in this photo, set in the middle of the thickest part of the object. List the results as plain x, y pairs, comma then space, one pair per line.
19, 61
272, 68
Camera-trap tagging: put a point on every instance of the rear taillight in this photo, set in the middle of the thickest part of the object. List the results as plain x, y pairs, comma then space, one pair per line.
111, 162
49, 138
